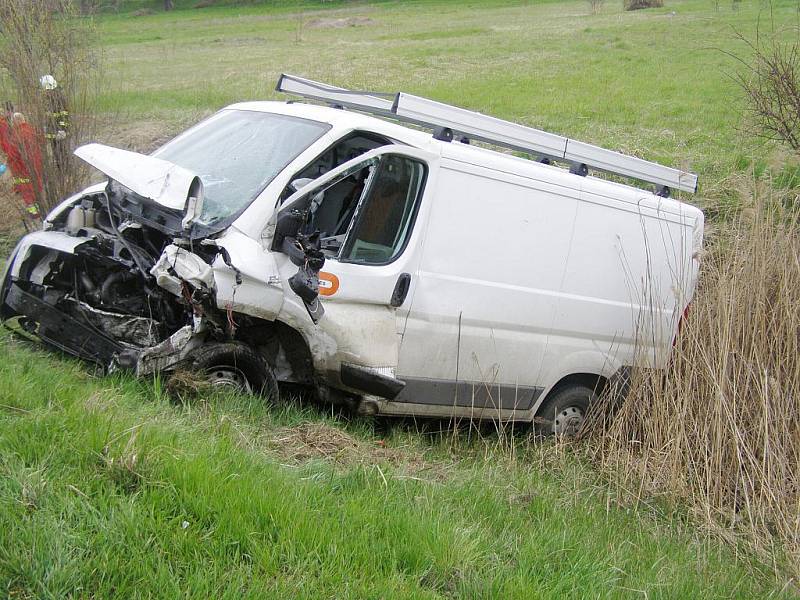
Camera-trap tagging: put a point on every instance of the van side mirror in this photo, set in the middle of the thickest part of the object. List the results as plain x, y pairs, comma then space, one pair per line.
288, 224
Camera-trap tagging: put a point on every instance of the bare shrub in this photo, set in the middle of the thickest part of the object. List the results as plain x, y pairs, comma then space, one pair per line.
771, 83
720, 429
46, 37
640, 4
596, 6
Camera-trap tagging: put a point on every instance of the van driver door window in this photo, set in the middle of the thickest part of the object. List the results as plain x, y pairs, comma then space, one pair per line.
366, 218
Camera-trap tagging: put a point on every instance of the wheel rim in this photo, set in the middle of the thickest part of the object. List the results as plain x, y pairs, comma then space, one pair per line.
568, 421
228, 378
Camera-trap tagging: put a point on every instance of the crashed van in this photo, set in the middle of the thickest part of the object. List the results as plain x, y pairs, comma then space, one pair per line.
386, 252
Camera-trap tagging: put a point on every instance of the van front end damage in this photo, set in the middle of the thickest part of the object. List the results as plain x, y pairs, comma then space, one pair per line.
113, 285
131, 276
105, 293
83, 293
123, 277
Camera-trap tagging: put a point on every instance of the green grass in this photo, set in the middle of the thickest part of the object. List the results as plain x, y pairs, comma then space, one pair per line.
109, 489
656, 83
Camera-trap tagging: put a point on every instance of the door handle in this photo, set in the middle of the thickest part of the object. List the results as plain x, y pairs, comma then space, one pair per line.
400, 290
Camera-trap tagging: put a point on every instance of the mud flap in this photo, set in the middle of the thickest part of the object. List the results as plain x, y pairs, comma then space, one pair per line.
369, 381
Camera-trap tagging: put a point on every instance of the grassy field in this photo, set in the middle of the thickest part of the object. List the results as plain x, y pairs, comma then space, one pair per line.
110, 489
656, 83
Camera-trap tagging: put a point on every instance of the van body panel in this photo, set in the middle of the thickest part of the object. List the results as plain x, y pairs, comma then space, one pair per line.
367, 330
484, 302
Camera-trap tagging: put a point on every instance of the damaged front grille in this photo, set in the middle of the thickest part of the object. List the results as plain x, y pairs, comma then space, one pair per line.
85, 286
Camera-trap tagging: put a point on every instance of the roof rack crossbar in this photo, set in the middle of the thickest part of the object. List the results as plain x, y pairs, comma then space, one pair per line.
362, 101
491, 130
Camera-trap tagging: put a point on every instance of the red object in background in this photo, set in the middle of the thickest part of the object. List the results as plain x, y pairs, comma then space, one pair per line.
682, 320
19, 143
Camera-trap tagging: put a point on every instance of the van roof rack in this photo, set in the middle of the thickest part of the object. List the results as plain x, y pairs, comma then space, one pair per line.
450, 122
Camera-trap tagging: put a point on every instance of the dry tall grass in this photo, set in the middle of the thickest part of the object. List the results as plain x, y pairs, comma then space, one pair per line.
720, 429
46, 37
596, 6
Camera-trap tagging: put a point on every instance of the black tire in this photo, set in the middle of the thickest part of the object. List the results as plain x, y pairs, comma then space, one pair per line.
236, 366
564, 411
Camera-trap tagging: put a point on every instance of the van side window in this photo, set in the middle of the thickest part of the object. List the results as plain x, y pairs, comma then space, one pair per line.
343, 150
385, 214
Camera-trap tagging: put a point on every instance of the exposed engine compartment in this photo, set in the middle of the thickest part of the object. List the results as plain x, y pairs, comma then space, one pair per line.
104, 288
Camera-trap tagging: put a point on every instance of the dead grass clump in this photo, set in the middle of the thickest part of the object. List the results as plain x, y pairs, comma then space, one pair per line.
640, 4
124, 469
33, 487
184, 384
205, 3
720, 429
143, 12
309, 441
320, 441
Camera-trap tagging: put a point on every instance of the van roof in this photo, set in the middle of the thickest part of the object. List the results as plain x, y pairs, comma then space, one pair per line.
346, 120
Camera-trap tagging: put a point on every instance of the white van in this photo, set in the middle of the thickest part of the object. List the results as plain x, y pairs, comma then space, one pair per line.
383, 267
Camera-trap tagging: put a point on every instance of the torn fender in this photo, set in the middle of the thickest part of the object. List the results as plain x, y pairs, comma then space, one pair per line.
246, 276
170, 352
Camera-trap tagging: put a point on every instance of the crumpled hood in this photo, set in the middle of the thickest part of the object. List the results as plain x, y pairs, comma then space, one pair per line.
158, 180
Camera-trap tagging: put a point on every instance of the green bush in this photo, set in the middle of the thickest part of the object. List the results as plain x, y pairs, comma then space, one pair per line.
639, 4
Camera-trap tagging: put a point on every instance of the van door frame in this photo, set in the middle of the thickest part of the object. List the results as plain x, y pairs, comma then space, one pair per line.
366, 288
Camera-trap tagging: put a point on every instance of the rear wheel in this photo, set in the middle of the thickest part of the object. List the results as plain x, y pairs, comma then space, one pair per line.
235, 366
564, 412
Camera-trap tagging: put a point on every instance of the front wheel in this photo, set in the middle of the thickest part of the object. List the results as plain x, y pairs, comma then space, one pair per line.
564, 412
235, 366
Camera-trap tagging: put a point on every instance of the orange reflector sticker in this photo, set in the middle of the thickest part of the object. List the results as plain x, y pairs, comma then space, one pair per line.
328, 283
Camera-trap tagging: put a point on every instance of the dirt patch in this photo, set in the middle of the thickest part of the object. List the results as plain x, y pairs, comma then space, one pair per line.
341, 23
138, 136
143, 12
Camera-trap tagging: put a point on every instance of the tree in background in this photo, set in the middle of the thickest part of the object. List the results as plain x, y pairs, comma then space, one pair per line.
771, 83
168, 5
44, 40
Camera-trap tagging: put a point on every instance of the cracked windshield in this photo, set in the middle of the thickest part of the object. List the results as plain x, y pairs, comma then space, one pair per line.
236, 154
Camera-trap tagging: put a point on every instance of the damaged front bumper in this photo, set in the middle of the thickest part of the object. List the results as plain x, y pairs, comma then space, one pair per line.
59, 329
35, 308
68, 334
